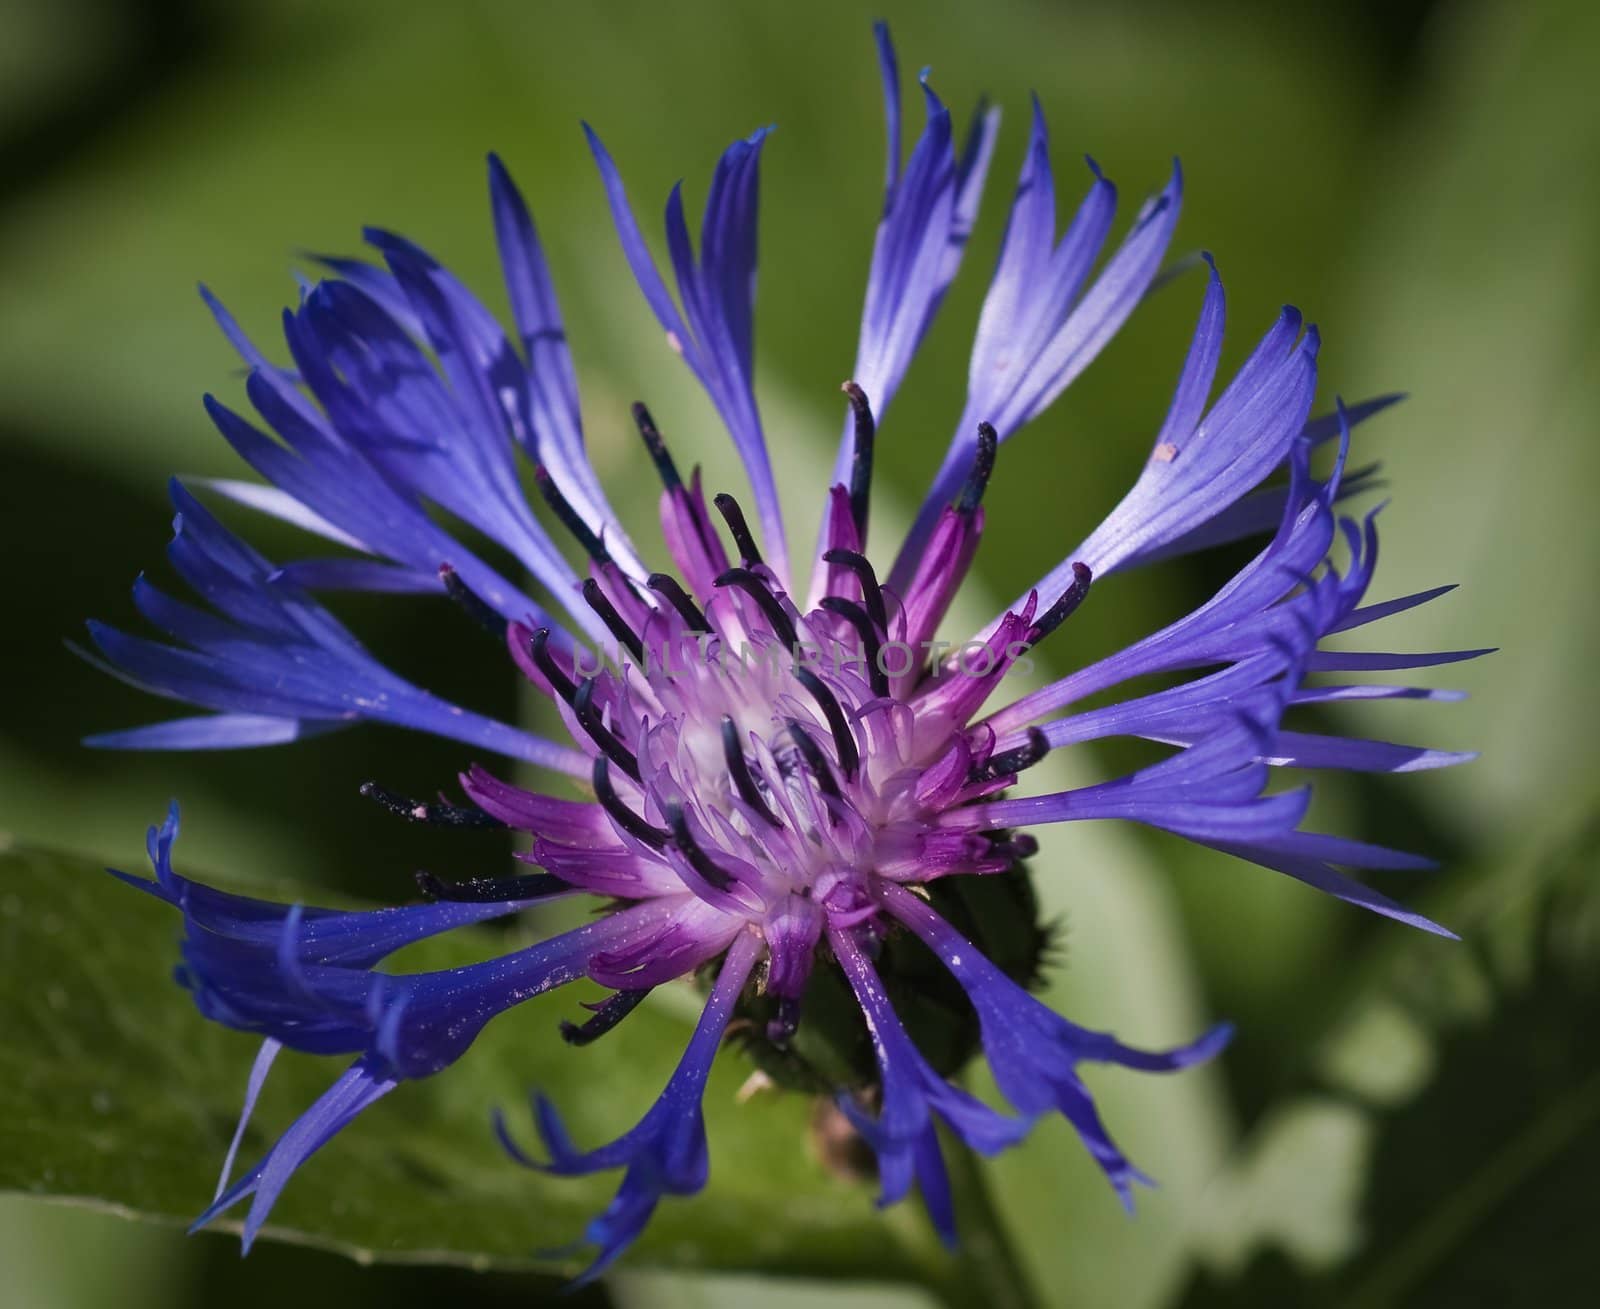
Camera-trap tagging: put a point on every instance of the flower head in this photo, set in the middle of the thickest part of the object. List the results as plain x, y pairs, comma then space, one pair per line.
788, 784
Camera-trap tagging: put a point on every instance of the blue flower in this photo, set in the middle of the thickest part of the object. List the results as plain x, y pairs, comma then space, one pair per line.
779, 785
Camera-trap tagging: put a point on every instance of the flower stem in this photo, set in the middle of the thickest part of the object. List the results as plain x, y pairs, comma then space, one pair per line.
987, 1269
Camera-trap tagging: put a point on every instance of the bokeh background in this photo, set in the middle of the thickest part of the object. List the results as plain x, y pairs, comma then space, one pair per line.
1422, 178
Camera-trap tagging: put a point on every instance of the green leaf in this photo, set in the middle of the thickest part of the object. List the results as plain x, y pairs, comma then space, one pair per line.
114, 1093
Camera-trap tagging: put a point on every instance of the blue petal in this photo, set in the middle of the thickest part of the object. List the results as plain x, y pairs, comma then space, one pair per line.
1314, 750
714, 332
304, 977
665, 1153
1301, 856
356, 575
358, 1087
278, 504
272, 653
554, 435
265, 1057
1033, 1051
928, 213
928, 217
903, 1135
1263, 626
211, 732
1361, 661
1037, 333
1199, 466
379, 286
1259, 511
338, 486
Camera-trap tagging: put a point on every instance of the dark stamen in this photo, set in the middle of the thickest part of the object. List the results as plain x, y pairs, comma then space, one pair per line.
1063, 608
437, 813
615, 623
815, 760
771, 609
982, 469
657, 448
491, 890
744, 780
626, 819
588, 716
782, 1027
844, 742
1021, 846
694, 506
859, 619
471, 603
560, 683
870, 591
607, 1015
1008, 762
861, 460
668, 588
668, 470
728, 507
570, 519
699, 860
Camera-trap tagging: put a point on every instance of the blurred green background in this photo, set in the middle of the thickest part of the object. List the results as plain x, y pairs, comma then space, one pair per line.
1423, 179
